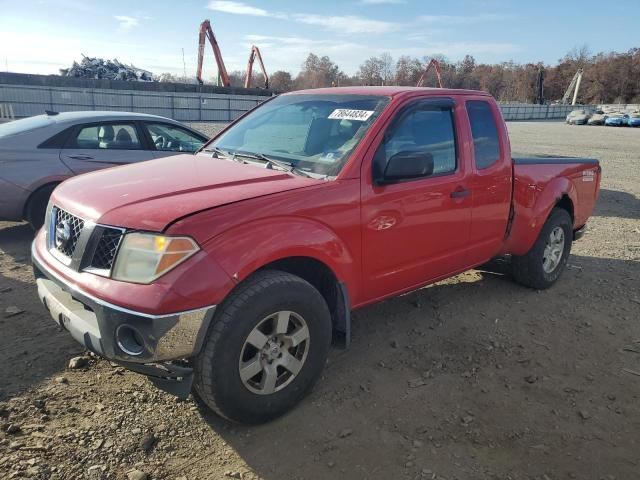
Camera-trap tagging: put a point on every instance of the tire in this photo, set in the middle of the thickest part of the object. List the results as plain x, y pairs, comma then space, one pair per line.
257, 305
541, 267
36, 208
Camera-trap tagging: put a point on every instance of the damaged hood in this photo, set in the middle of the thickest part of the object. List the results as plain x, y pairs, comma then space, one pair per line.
151, 195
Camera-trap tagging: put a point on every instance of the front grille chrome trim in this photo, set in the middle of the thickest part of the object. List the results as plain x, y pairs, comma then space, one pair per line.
85, 248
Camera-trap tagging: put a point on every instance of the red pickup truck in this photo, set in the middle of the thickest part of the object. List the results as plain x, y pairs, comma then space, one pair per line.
231, 270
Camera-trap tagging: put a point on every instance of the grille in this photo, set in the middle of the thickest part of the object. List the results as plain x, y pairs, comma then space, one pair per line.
66, 232
106, 249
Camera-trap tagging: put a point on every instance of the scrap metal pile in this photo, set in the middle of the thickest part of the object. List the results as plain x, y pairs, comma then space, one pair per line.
99, 68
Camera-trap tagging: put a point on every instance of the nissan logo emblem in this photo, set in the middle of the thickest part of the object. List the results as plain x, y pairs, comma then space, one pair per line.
63, 234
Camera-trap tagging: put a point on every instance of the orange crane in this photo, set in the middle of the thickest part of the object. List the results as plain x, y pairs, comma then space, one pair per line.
436, 65
206, 32
255, 52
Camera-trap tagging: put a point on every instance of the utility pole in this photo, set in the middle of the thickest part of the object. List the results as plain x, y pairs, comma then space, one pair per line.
184, 66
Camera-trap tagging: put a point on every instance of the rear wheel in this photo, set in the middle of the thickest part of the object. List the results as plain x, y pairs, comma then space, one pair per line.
36, 208
266, 348
543, 264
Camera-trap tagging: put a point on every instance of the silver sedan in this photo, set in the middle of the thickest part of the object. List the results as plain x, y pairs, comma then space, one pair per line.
38, 153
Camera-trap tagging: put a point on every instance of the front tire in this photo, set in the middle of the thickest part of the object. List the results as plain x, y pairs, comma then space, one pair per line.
541, 267
266, 348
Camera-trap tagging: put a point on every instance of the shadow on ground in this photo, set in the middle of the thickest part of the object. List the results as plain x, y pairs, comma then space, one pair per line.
613, 203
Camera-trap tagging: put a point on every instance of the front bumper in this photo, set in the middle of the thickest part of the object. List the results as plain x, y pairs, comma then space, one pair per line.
139, 341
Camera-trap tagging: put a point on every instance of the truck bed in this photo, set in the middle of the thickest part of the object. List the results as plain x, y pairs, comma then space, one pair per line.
537, 178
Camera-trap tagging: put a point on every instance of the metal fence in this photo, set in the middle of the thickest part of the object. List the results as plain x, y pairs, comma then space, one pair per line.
27, 101
527, 111
620, 107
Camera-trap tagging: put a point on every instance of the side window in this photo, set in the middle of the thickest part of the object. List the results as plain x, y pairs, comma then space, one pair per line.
485, 133
169, 138
107, 136
426, 130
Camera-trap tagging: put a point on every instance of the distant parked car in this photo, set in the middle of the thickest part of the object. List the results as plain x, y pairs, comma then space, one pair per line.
597, 118
578, 117
634, 120
616, 120
37, 153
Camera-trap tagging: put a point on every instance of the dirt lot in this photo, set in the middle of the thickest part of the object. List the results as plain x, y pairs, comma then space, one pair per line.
472, 378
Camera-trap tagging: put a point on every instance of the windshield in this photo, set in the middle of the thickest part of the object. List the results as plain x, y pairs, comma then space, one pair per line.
24, 125
313, 133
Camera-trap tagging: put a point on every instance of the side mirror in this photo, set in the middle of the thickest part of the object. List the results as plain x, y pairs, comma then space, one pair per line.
406, 165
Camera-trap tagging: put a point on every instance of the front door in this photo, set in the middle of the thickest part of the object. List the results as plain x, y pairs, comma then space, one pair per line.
416, 230
170, 139
102, 145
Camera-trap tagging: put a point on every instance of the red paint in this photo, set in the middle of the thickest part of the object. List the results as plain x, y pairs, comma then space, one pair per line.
379, 240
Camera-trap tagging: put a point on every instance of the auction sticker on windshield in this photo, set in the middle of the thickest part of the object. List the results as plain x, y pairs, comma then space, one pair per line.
349, 114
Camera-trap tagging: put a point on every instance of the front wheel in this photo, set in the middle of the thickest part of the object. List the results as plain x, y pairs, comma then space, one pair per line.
266, 348
541, 267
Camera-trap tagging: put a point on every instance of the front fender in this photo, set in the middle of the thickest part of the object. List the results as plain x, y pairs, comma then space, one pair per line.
533, 204
243, 249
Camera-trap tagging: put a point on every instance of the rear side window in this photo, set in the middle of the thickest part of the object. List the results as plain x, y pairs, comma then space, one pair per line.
107, 136
485, 133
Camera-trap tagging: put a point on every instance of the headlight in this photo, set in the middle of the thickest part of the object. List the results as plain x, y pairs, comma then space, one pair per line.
143, 257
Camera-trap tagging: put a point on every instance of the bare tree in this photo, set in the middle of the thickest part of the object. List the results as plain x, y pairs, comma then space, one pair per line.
370, 72
387, 68
408, 70
318, 72
281, 81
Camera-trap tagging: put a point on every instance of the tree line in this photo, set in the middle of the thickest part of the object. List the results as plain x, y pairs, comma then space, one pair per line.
608, 77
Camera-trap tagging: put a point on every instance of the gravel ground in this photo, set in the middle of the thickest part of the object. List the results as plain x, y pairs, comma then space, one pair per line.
471, 378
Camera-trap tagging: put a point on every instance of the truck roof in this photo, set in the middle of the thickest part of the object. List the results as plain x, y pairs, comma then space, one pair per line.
387, 91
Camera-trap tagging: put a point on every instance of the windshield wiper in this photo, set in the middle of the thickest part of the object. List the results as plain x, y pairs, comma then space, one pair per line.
286, 166
218, 151
224, 154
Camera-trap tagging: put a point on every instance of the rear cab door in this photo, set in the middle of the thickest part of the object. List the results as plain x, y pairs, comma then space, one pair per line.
104, 144
491, 180
417, 230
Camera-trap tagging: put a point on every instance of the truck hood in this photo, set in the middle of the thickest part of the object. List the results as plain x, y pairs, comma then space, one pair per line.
151, 195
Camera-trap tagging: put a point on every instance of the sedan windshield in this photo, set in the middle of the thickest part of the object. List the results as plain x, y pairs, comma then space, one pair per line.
315, 134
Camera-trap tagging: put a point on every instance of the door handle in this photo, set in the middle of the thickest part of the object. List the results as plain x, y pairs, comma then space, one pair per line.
81, 157
460, 192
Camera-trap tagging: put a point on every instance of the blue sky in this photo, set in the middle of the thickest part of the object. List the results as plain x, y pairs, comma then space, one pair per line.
42, 36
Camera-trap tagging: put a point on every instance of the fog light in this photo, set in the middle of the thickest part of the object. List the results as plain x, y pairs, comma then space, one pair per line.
129, 340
